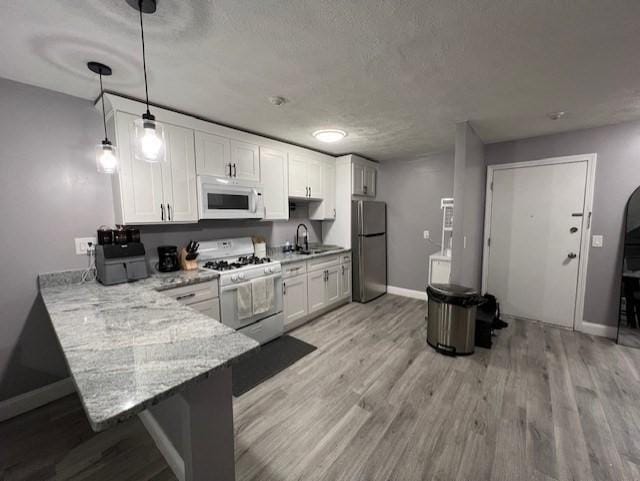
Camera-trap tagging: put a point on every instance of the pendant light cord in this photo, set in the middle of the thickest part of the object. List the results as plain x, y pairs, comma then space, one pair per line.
104, 114
144, 58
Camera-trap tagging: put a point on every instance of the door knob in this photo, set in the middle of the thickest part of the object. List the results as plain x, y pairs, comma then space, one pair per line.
572, 255
573, 230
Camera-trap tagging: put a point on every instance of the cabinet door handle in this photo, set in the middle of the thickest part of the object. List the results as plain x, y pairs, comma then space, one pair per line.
169, 211
342, 270
365, 189
161, 211
229, 169
284, 288
309, 191
186, 296
235, 172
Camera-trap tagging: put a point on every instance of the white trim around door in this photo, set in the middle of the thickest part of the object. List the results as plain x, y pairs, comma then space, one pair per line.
586, 232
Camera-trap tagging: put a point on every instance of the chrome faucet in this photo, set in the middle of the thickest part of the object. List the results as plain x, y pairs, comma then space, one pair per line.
306, 239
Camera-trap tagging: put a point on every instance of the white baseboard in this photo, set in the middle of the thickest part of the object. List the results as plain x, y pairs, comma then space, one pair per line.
601, 330
34, 399
166, 448
401, 291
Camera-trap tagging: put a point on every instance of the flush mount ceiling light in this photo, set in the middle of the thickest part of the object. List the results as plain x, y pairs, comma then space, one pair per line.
149, 134
329, 135
106, 160
556, 115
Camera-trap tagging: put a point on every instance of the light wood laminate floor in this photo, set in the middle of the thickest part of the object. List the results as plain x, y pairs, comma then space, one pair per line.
373, 402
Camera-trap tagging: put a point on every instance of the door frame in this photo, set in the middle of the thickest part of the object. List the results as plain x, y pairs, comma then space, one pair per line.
578, 316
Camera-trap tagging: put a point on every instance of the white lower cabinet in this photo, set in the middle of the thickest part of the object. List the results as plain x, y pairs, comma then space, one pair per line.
345, 280
317, 291
332, 285
294, 291
315, 286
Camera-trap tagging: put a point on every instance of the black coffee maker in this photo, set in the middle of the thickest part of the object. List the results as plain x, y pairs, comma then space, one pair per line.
168, 259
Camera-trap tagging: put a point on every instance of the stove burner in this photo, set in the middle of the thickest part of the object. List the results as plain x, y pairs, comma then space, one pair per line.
241, 262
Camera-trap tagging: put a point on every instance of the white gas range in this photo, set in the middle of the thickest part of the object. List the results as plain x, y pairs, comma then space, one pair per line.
250, 287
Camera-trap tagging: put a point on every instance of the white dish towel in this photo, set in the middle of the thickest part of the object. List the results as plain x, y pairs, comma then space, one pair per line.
263, 295
243, 298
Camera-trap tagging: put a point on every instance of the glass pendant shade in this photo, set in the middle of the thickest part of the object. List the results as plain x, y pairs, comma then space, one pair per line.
149, 141
106, 159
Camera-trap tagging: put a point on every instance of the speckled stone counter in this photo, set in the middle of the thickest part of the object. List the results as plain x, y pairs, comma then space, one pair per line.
129, 346
295, 257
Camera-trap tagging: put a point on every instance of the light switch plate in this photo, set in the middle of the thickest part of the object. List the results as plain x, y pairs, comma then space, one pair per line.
82, 245
427, 235
596, 241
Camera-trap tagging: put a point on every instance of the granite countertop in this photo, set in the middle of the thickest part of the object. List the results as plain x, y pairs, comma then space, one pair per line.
129, 346
286, 258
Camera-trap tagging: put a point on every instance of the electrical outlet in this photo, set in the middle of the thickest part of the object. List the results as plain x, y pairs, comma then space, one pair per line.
427, 235
596, 241
82, 245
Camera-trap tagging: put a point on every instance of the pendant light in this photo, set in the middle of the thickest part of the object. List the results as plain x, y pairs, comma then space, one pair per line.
106, 159
149, 134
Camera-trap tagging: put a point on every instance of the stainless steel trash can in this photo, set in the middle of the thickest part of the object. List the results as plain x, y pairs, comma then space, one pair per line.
451, 318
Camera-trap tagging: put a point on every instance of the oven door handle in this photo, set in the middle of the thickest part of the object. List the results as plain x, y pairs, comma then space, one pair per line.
234, 287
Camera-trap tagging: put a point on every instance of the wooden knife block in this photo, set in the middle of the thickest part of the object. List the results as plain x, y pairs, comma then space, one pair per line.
186, 265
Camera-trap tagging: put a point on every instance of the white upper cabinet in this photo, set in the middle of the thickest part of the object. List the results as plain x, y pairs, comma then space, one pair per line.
298, 185
357, 178
245, 161
273, 165
138, 186
179, 175
326, 210
314, 172
370, 175
305, 176
363, 177
213, 154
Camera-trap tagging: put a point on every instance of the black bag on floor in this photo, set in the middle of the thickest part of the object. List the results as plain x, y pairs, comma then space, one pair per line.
488, 319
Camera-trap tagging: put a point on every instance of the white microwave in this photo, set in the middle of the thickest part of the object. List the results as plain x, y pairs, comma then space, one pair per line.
223, 198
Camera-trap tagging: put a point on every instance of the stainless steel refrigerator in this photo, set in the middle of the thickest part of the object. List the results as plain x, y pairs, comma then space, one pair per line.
369, 249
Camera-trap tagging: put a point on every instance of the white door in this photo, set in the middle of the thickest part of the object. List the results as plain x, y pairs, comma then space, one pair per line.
333, 284
370, 181
179, 175
213, 154
295, 299
316, 291
345, 280
357, 174
140, 182
245, 161
273, 165
297, 176
314, 179
534, 240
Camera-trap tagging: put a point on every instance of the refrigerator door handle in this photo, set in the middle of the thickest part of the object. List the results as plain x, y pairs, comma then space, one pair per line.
361, 267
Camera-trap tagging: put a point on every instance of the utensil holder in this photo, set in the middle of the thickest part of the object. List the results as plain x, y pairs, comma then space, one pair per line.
186, 265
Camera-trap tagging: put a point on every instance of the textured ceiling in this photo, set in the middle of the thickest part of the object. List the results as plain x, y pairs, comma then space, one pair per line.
395, 74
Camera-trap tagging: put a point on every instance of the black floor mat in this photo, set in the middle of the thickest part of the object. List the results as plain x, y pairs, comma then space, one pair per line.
272, 358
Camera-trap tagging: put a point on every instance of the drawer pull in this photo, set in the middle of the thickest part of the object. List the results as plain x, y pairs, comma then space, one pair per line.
186, 296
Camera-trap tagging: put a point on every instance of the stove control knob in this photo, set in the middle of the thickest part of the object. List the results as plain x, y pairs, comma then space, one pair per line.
234, 278
241, 276
268, 270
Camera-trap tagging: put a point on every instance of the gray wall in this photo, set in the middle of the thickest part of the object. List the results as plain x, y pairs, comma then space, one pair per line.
412, 191
50, 193
469, 183
617, 175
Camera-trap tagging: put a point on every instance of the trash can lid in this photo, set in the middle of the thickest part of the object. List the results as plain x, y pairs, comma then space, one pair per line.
453, 290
